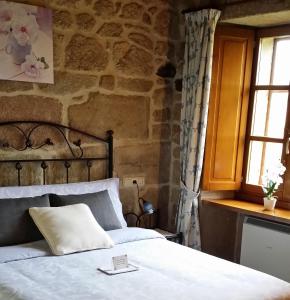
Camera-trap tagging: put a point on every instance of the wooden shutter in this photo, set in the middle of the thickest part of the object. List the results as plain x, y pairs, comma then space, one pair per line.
231, 75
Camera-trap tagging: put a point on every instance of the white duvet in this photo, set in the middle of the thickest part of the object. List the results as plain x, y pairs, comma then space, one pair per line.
167, 271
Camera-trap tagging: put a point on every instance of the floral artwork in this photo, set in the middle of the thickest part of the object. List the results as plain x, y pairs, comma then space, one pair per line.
272, 179
26, 45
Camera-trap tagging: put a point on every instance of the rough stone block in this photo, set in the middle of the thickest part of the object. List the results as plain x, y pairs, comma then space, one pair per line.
164, 49
176, 133
162, 97
62, 19
13, 86
153, 10
161, 115
163, 206
135, 85
107, 82
132, 60
165, 24
141, 40
132, 10
69, 83
29, 107
161, 131
126, 115
10, 178
104, 8
165, 82
177, 97
176, 152
58, 49
84, 53
145, 154
176, 172
137, 28
85, 21
177, 112
158, 3
146, 19
63, 3
150, 159
110, 29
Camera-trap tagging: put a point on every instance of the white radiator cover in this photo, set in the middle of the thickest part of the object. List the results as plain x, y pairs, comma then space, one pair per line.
266, 247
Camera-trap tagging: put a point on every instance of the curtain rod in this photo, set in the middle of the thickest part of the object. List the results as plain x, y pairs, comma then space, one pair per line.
214, 6
189, 10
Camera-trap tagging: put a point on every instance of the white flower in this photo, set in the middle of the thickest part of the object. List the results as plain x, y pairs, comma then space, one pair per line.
272, 179
24, 28
32, 67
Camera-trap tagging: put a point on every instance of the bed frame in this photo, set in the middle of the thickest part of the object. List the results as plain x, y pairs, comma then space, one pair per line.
26, 130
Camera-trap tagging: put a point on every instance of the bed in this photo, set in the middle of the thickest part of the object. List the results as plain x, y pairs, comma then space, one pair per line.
167, 271
29, 270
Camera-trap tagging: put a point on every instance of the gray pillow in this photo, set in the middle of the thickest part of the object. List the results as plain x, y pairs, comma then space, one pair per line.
100, 204
16, 225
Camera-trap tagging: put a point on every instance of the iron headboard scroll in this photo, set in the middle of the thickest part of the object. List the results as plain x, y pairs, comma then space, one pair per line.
75, 149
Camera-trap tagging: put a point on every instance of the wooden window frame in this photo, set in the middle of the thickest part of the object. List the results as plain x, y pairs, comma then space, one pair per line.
248, 191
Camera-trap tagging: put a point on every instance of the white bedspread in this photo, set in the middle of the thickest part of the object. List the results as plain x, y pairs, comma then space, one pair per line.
167, 271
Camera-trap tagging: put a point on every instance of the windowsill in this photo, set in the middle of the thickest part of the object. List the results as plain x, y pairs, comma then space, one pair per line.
252, 209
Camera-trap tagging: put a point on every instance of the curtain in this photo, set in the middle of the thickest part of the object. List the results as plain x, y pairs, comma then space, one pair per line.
200, 28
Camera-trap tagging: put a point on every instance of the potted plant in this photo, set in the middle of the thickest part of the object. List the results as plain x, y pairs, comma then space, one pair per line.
270, 183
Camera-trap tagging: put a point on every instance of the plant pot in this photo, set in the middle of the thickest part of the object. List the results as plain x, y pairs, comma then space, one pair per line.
269, 203
17, 52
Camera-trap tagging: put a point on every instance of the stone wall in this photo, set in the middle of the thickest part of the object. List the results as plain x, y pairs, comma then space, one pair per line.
106, 55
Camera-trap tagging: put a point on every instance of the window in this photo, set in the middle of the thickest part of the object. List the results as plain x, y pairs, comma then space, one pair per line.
268, 134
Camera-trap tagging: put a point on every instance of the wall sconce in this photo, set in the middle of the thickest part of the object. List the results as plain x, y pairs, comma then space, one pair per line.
146, 208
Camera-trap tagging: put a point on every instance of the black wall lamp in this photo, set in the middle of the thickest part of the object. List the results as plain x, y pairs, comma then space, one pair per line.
146, 208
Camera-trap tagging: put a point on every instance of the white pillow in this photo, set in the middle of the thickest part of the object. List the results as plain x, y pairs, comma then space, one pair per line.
69, 229
111, 184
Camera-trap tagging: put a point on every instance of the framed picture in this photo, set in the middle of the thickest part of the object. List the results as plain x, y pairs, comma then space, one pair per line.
26, 43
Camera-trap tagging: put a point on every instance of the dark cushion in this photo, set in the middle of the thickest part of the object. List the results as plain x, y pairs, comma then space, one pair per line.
16, 225
100, 204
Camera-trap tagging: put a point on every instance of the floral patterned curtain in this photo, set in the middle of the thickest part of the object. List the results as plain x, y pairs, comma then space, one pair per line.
200, 28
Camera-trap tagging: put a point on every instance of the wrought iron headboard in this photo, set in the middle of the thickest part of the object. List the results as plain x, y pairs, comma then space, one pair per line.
26, 130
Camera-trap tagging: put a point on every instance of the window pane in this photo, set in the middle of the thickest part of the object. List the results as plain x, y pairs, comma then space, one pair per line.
277, 114
269, 113
260, 113
254, 162
265, 61
281, 71
262, 156
273, 154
